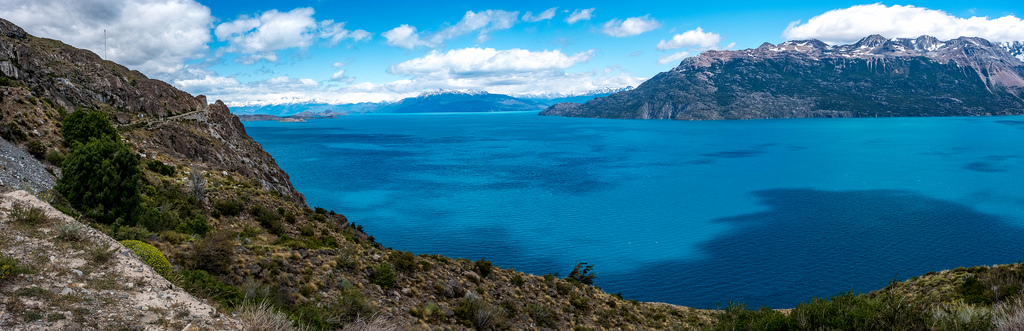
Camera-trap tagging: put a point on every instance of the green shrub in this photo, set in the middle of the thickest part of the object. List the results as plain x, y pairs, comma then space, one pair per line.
270, 220
27, 216
404, 261
83, 126
9, 267
36, 148
131, 233
201, 283
160, 168
155, 220
55, 157
482, 267
101, 253
230, 207
70, 231
101, 178
972, 291
737, 317
518, 280
543, 315
384, 275
333, 314
197, 225
151, 255
475, 312
584, 276
214, 253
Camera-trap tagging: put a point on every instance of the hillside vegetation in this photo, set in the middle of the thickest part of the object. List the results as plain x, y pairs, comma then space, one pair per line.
179, 182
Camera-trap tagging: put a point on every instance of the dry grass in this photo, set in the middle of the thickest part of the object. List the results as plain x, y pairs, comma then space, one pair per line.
262, 316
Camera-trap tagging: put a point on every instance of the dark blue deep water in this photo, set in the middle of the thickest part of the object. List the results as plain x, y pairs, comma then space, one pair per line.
768, 212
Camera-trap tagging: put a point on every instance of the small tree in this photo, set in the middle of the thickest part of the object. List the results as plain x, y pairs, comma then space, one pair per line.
582, 274
101, 178
82, 126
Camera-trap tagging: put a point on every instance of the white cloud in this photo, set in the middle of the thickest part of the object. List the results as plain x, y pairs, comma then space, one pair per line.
206, 84
692, 38
260, 37
475, 62
672, 58
485, 21
152, 36
404, 36
630, 27
580, 15
851, 24
336, 32
545, 15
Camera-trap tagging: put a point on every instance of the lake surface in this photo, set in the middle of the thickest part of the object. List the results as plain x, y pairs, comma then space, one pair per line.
767, 212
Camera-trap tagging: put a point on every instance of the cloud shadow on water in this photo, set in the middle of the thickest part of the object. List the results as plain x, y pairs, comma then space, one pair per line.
819, 243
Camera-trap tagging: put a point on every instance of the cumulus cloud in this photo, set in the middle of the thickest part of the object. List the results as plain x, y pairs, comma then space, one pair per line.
404, 36
630, 27
156, 37
851, 24
672, 58
259, 37
580, 15
692, 38
484, 21
475, 62
544, 15
206, 84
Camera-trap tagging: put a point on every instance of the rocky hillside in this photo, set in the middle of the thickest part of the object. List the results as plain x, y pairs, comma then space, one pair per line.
875, 77
42, 79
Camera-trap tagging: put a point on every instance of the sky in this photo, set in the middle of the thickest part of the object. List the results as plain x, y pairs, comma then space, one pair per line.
258, 52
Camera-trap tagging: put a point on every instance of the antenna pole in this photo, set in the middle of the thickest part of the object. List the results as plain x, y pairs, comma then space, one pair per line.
104, 44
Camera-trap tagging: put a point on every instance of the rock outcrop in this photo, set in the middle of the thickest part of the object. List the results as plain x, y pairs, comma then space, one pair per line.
875, 77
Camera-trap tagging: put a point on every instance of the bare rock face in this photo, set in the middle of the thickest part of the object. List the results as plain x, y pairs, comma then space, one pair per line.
153, 115
808, 78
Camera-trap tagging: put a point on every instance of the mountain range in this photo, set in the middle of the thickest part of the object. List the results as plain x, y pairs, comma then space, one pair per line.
874, 77
430, 102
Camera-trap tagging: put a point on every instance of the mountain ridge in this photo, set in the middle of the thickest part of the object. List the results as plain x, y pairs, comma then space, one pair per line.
874, 77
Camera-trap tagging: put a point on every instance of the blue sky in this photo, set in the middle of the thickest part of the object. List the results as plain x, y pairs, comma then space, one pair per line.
328, 51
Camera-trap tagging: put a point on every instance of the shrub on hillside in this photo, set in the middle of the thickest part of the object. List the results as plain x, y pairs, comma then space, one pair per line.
482, 267
270, 220
197, 225
384, 275
215, 253
151, 255
82, 126
101, 178
404, 261
582, 274
160, 168
227, 207
201, 283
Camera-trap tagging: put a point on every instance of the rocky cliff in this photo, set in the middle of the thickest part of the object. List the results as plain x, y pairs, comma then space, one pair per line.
42, 79
875, 77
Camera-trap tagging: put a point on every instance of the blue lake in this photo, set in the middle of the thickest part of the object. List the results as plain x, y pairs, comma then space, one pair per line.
767, 212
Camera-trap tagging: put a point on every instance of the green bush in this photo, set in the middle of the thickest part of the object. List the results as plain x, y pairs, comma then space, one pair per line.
582, 274
384, 275
27, 216
228, 207
404, 261
160, 168
201, 283
482, 267
737, 317
101, 178
55, 157
270, 220
83, 126
151, 255
333, 314
480, 314
197, 225
9, 267
215, 253
36, 148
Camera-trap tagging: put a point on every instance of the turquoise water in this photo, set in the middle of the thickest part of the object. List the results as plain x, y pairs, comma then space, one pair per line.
768, 212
